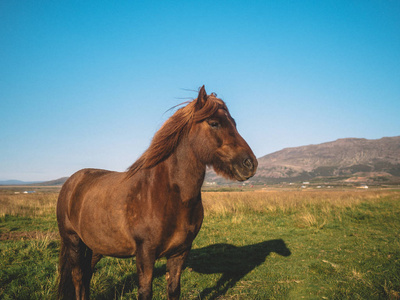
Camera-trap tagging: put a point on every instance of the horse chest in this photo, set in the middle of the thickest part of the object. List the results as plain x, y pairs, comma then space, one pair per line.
181, 239
180, 232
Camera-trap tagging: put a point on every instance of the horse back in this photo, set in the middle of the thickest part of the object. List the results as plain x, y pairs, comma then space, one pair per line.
74, 190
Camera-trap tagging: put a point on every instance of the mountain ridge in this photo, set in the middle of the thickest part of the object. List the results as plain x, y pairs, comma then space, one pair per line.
59, 181
342, 158
16, 182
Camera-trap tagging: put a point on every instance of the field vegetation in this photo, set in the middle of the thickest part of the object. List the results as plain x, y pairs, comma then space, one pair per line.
253, 245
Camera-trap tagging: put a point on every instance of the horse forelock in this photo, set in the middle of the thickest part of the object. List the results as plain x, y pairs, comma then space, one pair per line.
167, 138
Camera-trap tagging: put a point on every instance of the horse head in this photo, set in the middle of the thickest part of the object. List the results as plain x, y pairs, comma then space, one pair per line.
216, 141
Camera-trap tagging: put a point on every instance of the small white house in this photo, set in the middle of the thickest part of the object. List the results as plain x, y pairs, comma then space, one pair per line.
363, 187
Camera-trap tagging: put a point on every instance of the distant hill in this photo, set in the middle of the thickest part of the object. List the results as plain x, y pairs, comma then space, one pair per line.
59, 181
345, 160
16, 182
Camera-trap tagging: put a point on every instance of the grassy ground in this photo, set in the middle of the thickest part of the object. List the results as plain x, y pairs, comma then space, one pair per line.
253, 245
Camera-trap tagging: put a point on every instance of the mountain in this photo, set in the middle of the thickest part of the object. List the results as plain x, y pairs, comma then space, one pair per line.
343, 159
16, 182
59, 181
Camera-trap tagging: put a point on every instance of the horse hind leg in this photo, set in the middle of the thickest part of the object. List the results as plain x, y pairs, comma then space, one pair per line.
75, 269
66, 289
95, 259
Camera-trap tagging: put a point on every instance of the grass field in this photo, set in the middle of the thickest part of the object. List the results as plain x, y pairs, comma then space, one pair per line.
253, 245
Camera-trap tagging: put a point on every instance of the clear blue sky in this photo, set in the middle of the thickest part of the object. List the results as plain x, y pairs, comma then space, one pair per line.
87, 83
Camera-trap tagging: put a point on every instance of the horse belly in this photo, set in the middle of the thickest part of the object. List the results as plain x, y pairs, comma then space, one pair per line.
108, 241
105, 232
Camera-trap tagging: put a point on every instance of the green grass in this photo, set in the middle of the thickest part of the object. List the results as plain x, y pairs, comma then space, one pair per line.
28, 269
259, 246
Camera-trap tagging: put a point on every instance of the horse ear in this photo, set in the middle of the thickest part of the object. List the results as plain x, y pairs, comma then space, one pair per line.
201, 98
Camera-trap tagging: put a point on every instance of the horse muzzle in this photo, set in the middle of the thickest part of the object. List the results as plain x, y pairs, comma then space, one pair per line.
245, 168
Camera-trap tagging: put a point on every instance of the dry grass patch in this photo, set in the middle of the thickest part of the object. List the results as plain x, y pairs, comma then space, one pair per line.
289, 201
307, 219
29, 235
32, 205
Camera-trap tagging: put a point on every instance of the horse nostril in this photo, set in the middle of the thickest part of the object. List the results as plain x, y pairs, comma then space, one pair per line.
248, 163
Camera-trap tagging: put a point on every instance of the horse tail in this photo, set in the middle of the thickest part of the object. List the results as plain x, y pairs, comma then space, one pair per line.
66, 289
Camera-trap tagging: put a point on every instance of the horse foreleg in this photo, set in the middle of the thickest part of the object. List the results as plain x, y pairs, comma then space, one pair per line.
145, 265
173, 276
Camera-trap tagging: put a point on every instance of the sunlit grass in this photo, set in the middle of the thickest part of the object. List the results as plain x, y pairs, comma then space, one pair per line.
28, 205
288, 201
343, 244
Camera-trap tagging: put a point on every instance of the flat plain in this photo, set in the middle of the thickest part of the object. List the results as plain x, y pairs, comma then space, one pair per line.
325, 244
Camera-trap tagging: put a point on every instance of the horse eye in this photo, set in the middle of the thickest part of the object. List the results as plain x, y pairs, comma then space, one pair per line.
214, 124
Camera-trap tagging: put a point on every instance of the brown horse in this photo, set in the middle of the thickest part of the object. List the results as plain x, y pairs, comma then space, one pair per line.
154, 209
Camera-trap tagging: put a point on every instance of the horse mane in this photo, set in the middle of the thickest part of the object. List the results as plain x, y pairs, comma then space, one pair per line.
167, 138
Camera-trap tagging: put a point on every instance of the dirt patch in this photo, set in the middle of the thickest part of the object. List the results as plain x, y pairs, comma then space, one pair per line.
28, 235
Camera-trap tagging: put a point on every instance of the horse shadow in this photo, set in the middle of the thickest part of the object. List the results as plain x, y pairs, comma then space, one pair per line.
232, 261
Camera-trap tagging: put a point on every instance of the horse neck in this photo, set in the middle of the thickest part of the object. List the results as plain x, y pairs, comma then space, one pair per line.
185, 171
